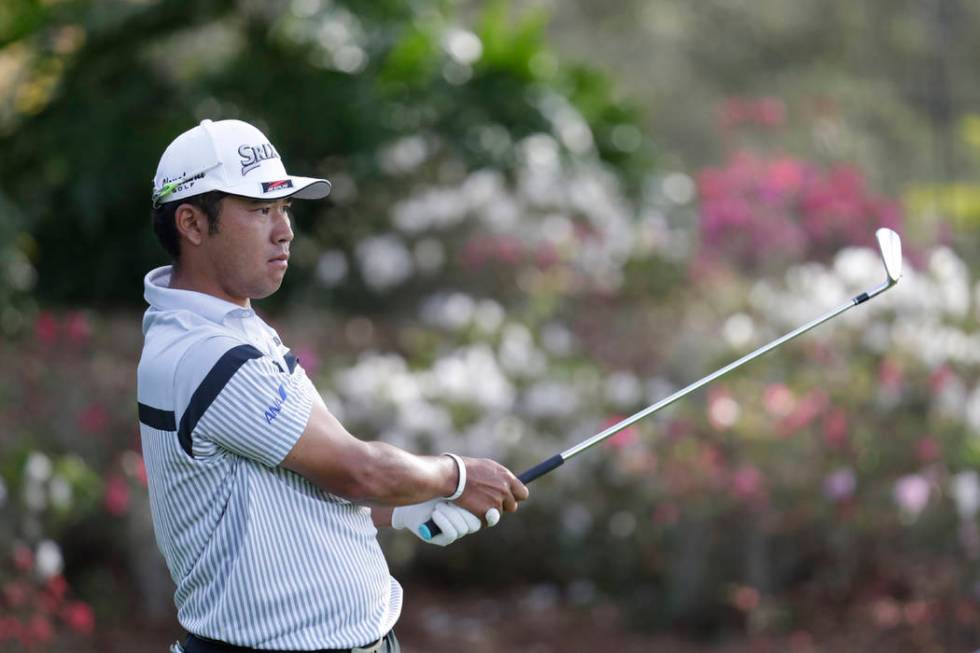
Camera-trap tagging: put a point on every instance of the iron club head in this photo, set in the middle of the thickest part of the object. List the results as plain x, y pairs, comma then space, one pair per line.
891, 253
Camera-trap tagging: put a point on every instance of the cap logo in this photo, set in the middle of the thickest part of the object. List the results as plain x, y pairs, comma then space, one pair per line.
271, 186
254, 155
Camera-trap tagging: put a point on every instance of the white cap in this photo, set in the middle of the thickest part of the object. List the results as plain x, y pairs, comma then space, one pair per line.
231, 156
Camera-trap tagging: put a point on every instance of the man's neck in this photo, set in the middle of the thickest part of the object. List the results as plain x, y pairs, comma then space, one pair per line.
181, 279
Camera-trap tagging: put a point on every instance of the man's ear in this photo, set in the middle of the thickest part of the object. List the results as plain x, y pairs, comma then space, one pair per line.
192, 223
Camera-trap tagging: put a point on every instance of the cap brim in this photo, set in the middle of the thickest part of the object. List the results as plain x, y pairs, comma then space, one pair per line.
303, 188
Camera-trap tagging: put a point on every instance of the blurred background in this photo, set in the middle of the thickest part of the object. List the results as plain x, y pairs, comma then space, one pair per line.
545, 216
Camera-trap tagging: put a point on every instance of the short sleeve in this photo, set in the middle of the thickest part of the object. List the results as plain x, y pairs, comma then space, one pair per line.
249, 405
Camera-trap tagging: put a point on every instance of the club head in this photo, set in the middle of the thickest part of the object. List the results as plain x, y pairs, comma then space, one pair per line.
891, 254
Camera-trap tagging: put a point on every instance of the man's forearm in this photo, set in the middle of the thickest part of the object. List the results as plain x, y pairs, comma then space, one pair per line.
391, 476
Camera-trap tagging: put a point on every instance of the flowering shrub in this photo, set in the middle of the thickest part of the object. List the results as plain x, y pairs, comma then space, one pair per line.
761, 212
63, 425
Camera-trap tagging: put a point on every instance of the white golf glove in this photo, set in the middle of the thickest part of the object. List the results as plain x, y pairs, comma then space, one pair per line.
455, 522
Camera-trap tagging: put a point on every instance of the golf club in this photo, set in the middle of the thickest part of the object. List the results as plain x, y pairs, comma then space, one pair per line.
890, 246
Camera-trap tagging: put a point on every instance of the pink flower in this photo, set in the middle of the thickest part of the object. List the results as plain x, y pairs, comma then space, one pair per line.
78, 328
116, 497
835, 428
79, 617
912, 494
39, 629
840, 485
747, 483
927, 449
621, 440
723, 410
46, 328
806, 410
778, 399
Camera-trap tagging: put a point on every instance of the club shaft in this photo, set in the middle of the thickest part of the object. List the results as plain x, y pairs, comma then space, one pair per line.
663, 403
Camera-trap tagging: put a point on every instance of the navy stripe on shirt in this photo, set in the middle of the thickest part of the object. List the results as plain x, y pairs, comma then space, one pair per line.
163, 420
210, 388
291, 361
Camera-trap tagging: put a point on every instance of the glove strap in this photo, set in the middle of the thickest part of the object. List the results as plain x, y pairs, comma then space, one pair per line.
461, 484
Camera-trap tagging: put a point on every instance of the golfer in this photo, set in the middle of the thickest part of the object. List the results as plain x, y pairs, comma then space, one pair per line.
264, 507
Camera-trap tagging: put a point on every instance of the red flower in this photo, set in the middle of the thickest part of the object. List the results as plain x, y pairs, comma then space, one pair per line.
79, 617
835, 428
78, 328
46, 328
57, 587
116, 497
39, 629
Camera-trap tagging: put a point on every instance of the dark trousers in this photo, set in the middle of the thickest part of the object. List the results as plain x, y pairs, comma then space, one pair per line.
194, 644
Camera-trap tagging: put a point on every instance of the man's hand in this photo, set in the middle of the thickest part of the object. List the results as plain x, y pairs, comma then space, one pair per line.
490, 485
451, 519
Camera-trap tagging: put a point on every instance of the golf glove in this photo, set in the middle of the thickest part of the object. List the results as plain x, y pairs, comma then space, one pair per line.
455, 522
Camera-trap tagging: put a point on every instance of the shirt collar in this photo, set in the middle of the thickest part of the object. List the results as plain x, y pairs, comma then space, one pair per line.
161, 296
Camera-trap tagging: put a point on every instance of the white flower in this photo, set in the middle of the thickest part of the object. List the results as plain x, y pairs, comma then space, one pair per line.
470, 375
452, 311
623, 389
384, 260
38, 467
518, 355
404, 155
429, 255
739, 331
551, 399
972, 413
488, 316
965, 488
331, 268
462, 45
678, 188
47, 560
952, 280
60, 492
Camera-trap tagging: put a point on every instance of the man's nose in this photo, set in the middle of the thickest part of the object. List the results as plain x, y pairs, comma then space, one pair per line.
283, 230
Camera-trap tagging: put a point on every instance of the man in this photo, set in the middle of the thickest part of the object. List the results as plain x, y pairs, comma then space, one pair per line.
264, 507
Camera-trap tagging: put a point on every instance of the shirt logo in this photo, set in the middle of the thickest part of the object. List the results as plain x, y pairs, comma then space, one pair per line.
270, 186
254, 155
273, 411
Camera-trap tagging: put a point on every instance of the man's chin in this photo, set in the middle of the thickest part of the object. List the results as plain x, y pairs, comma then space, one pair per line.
266, 290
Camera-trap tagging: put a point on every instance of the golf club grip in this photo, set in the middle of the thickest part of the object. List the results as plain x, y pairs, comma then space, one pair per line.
431, 529
541, 468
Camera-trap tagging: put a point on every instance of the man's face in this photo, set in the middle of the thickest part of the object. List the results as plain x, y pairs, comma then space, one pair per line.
248, 253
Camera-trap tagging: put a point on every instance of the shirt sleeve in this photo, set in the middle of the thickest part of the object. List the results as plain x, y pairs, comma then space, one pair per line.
249, 405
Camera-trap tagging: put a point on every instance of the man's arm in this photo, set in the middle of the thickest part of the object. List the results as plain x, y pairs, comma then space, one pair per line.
384, 475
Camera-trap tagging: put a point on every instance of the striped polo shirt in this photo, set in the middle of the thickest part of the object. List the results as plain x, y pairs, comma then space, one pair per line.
261, 557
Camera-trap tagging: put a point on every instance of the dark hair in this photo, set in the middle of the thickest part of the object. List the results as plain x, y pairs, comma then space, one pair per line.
165, 225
